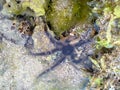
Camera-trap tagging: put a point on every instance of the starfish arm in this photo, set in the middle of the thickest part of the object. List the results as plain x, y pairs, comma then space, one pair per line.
55, 64
29, 42
77, 57
11, 40
74, 60
44, 53
52, 39
85, 38
88, 65
74, 65
82, 42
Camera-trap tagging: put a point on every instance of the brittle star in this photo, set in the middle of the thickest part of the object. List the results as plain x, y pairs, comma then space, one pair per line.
68, 50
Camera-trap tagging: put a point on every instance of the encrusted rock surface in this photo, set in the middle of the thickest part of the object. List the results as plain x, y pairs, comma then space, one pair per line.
19, 70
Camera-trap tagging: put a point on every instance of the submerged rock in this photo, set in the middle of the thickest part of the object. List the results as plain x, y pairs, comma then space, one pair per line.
10, 30
62, 15
2, 2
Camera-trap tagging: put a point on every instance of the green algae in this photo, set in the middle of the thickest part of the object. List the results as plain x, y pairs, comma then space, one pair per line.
25, 7
63, 15
13, 7
107, 47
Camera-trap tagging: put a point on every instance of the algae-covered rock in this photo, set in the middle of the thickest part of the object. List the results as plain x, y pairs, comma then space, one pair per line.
29, 7
61, 15
10, 30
